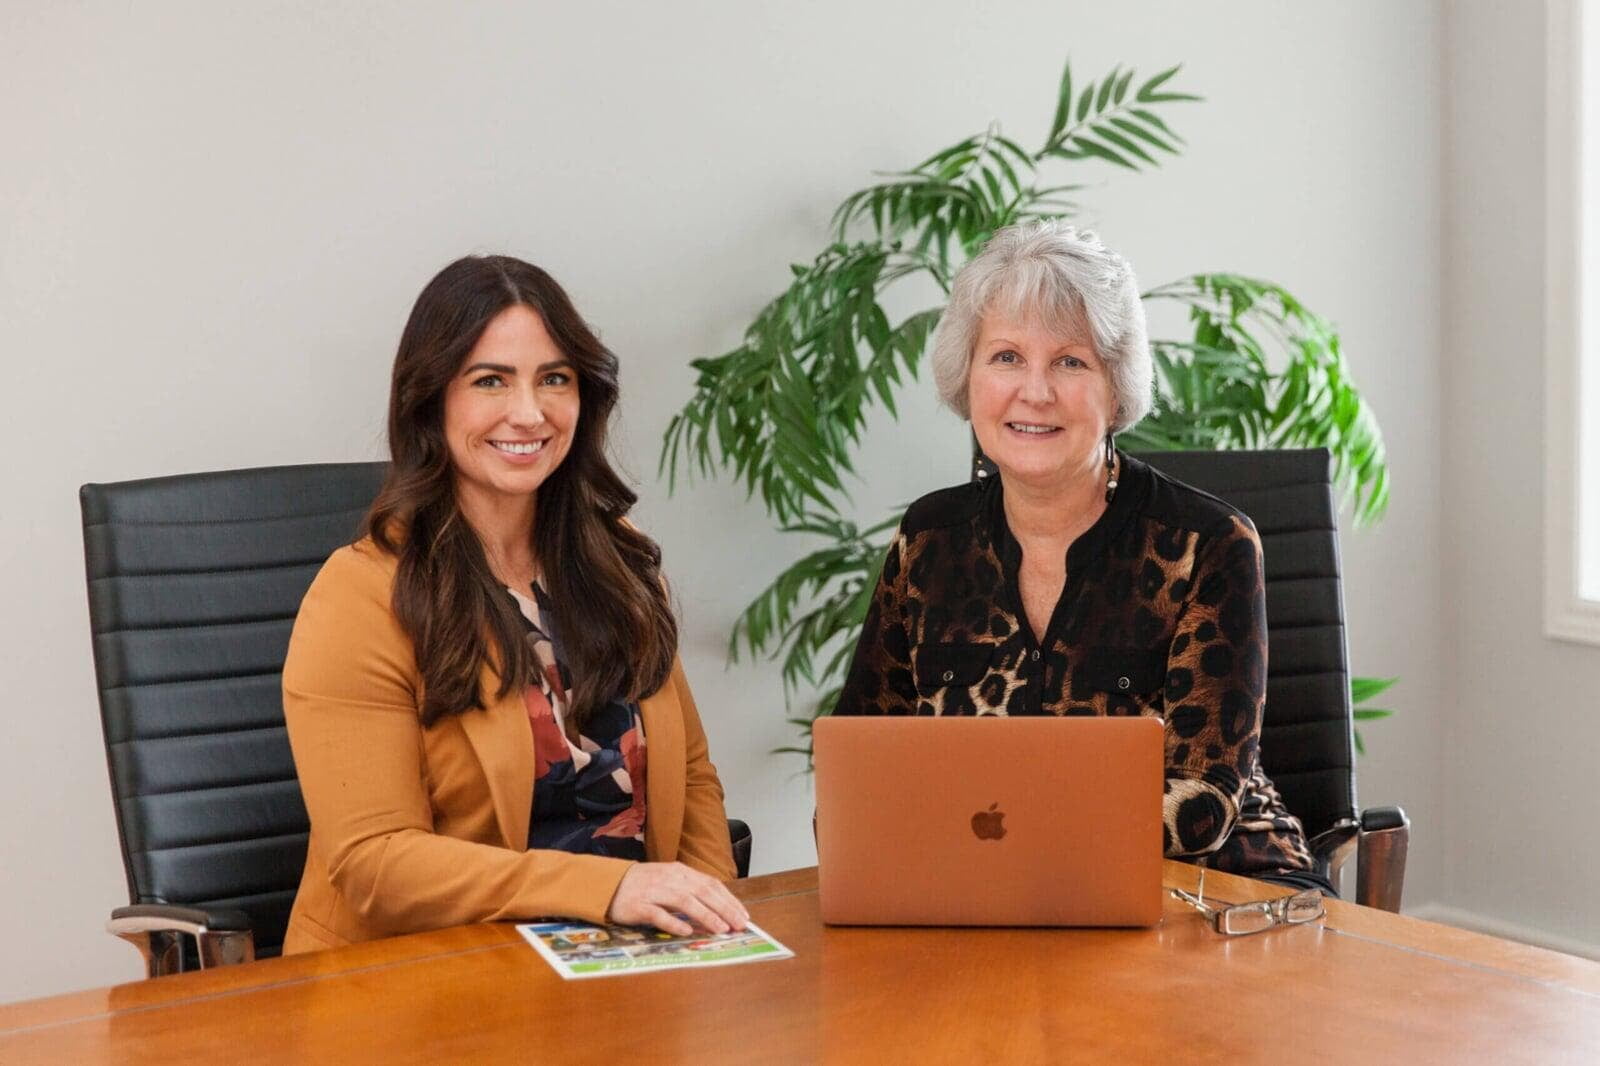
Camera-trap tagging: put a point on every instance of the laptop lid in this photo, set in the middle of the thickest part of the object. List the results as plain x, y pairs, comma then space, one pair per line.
989, 820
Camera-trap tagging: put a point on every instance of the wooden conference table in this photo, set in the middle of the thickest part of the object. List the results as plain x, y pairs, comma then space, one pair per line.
1362, 986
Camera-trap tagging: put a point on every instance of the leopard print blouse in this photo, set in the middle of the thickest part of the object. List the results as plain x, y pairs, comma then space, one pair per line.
1163, 613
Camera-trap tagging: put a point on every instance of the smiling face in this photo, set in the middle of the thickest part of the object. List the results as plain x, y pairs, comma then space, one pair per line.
510, 412
1041, 403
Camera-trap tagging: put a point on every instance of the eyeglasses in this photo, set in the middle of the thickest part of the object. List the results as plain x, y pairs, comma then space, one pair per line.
1242, 919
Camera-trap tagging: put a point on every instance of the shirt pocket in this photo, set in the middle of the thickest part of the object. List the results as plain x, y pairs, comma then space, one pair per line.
940, 666
1120, 671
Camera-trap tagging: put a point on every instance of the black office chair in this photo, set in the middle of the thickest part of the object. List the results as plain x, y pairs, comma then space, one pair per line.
194, 582
1306, 743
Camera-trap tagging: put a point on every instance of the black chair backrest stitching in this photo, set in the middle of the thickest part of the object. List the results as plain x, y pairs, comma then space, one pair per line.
194, 583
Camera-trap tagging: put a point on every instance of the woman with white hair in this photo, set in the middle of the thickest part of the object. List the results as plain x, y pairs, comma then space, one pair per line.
1080, 581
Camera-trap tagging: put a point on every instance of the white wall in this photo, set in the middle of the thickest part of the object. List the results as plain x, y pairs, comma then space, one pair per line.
213, 222
1518, 741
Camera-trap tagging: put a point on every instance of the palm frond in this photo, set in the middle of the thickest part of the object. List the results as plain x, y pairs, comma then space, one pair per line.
1201, 401
1108, 124
816, 605
784, 411
950, 203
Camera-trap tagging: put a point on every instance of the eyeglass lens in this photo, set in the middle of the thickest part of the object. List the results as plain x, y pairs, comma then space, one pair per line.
1256, 917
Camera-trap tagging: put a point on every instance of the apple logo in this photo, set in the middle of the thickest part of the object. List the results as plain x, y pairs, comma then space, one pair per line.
989, 824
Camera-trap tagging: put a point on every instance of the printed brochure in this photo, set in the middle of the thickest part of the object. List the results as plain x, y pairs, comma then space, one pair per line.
576, 949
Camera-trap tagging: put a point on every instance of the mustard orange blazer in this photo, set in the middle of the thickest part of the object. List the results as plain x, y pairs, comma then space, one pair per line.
415, 828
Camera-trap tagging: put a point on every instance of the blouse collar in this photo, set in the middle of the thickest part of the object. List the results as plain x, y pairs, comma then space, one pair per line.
1133, 487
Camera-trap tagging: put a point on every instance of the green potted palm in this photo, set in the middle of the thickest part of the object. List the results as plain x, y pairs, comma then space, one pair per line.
783, 412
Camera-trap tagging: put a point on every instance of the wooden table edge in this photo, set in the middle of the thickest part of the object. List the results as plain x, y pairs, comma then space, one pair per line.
1396, 931
357, 958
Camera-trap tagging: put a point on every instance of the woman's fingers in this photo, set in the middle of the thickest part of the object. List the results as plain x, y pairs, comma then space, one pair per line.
657, 893
725, 904
667, 922
714, 897
701, 915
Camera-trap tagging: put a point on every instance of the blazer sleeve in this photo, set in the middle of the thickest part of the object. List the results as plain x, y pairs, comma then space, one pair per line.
704, 843
1215, 691
350, 694
879, 680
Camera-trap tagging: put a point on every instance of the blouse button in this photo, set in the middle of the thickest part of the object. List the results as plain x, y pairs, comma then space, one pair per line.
1123, 683
1035, 655
949, 675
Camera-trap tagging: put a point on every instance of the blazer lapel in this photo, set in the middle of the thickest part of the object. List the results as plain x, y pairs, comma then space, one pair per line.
501, 739
664, 773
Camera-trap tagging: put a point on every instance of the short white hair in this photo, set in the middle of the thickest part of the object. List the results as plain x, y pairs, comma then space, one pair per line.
1074, 285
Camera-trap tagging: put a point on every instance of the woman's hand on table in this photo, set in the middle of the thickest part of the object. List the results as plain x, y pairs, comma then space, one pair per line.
656, 893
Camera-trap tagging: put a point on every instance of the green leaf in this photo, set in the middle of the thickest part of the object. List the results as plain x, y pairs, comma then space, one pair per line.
1121, 90
1084, 102
1106, 133
992, 183
1107, 87
1152, 119
1010, 172
1148, 88
1100, 151
1148, 93
1063, 102
1363, 689
1143, 133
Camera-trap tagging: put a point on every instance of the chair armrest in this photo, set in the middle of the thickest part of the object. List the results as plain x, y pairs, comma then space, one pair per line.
739, 834
151, 917
1381, 857
222, 937
1332, 847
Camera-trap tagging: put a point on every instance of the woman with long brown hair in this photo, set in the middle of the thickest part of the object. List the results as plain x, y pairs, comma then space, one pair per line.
483, 694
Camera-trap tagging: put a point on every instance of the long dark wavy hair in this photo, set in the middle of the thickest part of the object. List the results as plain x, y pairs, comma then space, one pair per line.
608, 604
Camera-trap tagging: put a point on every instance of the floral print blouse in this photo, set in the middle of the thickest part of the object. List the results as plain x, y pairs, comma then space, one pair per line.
589, 787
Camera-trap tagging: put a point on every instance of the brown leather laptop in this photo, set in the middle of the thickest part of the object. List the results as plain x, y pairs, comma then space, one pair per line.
989, 821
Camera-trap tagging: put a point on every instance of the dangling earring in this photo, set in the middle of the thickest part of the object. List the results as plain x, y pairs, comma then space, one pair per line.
1111, 469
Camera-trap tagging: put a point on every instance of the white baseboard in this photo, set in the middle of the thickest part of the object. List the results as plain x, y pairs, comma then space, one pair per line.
1479, 923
